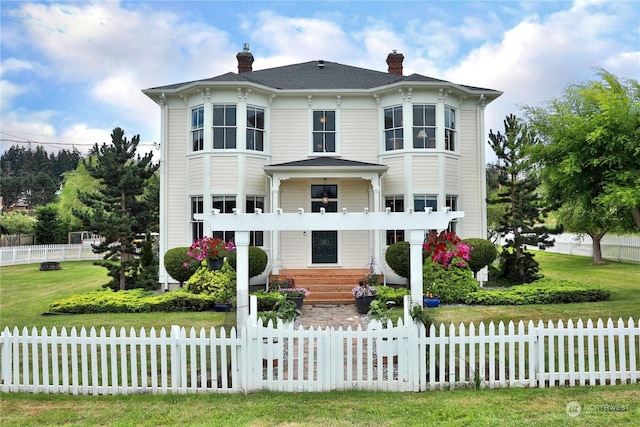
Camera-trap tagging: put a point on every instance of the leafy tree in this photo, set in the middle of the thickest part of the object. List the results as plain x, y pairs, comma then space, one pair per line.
17, 222
590, 153
33, 176
519, 182
68, 201
117, 211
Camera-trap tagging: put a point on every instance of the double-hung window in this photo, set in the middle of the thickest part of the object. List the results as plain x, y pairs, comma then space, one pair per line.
421, 201
255, 128
395, 204
452, 203
197, 226
424, 126
449, 129
256, 238
393, 132
224, 126
324, 131
197, 129
225, 204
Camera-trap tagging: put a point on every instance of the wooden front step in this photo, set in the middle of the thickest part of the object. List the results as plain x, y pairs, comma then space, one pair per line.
326, 286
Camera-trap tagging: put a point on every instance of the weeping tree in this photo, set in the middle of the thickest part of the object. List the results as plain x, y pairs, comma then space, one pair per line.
523, 212
118, 211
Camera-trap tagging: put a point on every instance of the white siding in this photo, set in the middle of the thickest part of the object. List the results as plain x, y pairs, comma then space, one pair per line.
452, 175
359, 134
471, 183
255, 177
289, 135
224, 173
394, 181
177, 204
425, 174
195, 171
294, 245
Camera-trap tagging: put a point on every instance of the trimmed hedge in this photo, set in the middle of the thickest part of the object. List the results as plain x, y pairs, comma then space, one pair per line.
132, 301
389, 293
257, 260
544, 291
174, 262
453, 285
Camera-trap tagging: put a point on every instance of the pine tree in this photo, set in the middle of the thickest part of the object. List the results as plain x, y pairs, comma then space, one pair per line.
118, 212
519, 183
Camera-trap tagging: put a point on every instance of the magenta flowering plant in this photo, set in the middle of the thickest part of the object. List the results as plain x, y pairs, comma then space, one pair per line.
447, 249
364, 290
210, 248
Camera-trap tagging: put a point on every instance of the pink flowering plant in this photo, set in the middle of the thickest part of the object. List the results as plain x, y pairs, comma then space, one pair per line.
210, 248
447, 249
364, 290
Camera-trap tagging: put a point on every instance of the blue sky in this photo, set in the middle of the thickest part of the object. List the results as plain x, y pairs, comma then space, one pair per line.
72, 71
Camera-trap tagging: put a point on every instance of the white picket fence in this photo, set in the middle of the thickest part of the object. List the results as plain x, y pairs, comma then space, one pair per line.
14, 255
396, 358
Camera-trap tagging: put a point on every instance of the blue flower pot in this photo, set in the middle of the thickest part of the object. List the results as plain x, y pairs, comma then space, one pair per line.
431, 302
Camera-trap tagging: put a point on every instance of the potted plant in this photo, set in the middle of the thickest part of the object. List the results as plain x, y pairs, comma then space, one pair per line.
430, 300
213, 249
364, 295
222, 300
294, 294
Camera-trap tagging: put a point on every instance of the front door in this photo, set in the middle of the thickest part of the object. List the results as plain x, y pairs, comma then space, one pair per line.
324, 245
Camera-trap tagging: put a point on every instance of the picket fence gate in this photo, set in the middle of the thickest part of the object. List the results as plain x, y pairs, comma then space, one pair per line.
396, 358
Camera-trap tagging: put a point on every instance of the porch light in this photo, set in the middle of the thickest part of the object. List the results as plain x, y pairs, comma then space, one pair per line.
325, 195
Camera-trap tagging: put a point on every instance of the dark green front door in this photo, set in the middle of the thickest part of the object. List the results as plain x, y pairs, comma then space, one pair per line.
324, 246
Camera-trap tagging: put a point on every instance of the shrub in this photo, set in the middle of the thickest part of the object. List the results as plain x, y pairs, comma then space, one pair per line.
452, 284
509, 267
397, 257
220, 284
484, 253
132, 301
267, 300
181, 300
257, 260
179, 265
389, 293
543, 291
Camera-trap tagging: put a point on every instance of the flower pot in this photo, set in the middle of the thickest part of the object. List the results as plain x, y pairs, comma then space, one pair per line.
363, 304
297, 300
215, 264
431, 302
221, 306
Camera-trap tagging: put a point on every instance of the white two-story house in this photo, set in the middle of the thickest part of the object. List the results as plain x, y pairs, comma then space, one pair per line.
319, 135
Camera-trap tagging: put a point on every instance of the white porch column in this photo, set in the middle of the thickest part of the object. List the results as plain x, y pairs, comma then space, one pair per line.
377, 207
275, 235
416, 239
242, 279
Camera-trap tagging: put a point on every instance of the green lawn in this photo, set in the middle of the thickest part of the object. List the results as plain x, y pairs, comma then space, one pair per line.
25, 293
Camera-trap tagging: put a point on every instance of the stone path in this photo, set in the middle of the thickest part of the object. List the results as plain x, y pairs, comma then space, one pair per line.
331, 316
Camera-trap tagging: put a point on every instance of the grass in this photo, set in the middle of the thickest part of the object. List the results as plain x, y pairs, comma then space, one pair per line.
25, 293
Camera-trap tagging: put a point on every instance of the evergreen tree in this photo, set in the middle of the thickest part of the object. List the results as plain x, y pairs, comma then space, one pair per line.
117, 211
519, 183
49, 229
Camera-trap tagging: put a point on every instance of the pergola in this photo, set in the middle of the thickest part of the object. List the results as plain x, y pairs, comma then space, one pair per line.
417, 223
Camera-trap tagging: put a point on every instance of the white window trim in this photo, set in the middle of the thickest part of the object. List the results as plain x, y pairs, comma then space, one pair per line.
312, 153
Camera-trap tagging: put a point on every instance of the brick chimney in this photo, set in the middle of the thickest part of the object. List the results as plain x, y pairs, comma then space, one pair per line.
245, 59
394, 60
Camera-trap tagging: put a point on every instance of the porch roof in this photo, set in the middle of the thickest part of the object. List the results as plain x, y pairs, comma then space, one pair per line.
324, 164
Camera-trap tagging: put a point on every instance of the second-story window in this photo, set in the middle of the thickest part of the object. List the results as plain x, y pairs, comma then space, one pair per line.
449, 128
197, 129
393, 133
324, 131
224, 126
424, 126
255, 128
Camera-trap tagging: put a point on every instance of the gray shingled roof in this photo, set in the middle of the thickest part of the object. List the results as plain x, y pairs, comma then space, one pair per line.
308, 75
